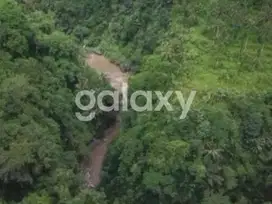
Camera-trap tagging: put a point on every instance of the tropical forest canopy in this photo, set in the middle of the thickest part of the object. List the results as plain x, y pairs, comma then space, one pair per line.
221, 153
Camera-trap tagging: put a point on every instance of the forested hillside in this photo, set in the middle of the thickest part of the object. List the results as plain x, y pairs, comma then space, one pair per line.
221, 153
41, 140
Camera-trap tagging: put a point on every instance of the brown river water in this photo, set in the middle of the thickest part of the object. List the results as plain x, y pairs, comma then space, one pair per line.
111, 71
115, 77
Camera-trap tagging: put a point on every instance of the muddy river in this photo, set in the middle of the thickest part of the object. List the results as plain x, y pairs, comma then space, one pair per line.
115, 77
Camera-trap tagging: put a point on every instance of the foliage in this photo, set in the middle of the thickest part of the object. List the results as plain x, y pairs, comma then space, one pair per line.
42, 141
221, 152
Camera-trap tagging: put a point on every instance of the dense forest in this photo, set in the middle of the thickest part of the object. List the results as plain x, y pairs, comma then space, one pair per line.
221, 153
